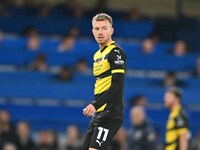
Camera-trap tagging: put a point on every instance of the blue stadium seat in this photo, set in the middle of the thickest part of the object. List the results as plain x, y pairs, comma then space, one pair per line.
129, 29
167, 63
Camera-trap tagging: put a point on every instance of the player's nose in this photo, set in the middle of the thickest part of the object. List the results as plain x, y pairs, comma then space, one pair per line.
100, 31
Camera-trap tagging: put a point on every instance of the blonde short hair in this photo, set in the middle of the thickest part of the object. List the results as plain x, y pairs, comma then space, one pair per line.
102, 17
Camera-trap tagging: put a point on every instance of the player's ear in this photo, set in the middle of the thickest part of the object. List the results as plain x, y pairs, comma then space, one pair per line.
112, 30
93, 31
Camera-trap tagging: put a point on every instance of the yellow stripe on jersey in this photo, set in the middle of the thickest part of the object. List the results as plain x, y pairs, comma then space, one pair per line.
171, 146
171, 136
100, 54
101, 108
102, 84
182, 131
118, 71
171, 124
100, 67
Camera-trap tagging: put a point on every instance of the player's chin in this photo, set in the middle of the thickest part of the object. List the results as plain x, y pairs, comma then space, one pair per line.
100, 41
166, 105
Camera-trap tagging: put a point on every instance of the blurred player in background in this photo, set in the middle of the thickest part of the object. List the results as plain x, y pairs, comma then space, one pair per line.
177, 132
142, 135
109, 69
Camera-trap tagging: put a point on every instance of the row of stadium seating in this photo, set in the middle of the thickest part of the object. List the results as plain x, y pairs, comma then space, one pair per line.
47, 86
166, 63
182, 29
81, 45
49, 26
33, 76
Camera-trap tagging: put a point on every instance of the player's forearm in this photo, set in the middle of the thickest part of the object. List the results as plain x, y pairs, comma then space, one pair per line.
183, 142
117, 85
183, 146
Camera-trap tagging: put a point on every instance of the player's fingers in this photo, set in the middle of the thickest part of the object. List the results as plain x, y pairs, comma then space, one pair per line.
85, 111
92, 113
89, 113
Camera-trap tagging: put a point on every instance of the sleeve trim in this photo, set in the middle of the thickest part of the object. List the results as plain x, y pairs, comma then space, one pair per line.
182, 130
118, 71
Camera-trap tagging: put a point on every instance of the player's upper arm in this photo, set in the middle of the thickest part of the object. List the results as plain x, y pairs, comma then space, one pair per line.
117, 60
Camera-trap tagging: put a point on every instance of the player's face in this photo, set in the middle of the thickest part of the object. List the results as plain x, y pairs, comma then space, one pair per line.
137, 117
169, 98
102, 31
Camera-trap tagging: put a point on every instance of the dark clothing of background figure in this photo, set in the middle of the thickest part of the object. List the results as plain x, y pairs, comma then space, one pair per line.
142, 137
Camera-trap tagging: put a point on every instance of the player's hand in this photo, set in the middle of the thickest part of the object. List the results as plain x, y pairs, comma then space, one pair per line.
89, 110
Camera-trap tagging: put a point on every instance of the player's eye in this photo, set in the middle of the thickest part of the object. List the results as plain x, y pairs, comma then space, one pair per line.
105, 28
96, 29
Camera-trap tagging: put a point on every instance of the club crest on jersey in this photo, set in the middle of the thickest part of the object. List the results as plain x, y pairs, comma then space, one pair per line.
100, 59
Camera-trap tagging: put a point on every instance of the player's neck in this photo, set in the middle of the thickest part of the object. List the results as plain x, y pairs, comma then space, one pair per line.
175, 106
101, 46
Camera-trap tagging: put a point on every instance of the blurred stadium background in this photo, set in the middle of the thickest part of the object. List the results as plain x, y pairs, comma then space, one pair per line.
46, 49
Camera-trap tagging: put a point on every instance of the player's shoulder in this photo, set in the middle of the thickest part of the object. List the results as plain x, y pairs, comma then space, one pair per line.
117, 51
117, 56
181, 117
182, 113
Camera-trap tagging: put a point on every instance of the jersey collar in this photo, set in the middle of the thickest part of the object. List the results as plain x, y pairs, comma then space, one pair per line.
175, 110
112, 42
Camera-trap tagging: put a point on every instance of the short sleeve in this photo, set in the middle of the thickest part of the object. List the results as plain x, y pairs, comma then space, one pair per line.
181, 124
117, 60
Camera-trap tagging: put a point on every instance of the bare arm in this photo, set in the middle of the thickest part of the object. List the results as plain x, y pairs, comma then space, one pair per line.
183, 141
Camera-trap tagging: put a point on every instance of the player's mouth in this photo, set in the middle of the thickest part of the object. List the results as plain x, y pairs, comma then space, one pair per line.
100, 38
